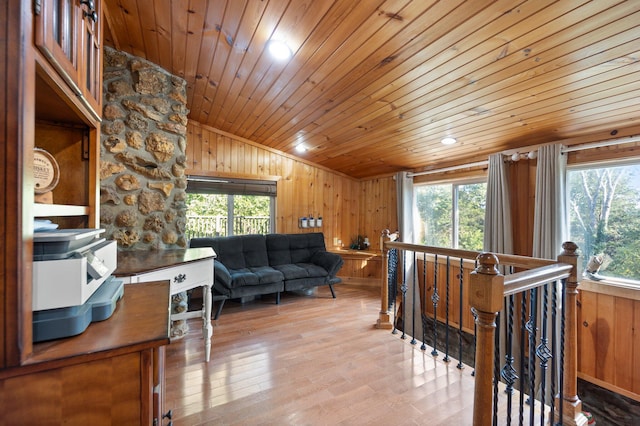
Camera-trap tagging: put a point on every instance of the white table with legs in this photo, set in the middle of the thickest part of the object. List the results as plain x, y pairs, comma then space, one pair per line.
184, 268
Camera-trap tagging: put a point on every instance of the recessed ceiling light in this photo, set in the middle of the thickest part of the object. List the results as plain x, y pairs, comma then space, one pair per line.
279, 50
301, 148
448, 141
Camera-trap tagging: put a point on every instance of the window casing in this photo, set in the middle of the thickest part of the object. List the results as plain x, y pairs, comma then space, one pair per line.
451, 214
604, 219
223, 207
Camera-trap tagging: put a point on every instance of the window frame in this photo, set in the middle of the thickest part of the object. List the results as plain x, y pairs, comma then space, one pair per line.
455, 214
590, 165
232, 187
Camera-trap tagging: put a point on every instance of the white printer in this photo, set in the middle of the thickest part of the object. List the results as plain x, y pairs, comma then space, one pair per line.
72, 282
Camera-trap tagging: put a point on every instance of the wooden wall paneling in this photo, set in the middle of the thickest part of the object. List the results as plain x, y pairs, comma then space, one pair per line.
130, 14
254, 70
498, 75
522, 178
303, 188
191, 138
623, 343
150, 35
221, 72
179, 23
198, 83
587, 333
195, 12
605, 344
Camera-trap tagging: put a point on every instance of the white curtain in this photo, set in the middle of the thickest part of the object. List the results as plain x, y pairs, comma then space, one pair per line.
406, 209
498, 235
550, 223
404, 189
550, 218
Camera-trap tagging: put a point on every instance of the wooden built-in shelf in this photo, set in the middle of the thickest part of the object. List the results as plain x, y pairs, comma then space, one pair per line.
44, 210
361, 267
140, 321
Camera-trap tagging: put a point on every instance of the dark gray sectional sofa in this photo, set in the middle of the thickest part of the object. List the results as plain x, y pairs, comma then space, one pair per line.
250, 265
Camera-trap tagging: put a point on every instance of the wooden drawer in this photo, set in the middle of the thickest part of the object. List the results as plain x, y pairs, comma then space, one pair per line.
182, 277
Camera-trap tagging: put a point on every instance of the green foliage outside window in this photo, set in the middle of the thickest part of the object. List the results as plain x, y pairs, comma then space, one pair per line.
604, 206
440, 227
208, 214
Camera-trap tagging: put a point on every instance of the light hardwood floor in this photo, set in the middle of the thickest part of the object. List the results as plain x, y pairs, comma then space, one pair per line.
312, 360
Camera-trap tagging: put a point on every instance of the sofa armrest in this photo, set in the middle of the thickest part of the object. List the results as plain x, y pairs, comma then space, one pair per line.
221, 274
332, 262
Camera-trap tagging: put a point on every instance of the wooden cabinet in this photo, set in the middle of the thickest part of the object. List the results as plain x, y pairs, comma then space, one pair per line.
112, 373
361, 267
69, 34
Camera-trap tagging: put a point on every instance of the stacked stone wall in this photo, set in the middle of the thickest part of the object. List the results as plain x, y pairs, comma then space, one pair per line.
143, 160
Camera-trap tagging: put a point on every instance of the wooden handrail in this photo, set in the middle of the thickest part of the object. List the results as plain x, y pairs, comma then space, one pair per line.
487, 289
527, 280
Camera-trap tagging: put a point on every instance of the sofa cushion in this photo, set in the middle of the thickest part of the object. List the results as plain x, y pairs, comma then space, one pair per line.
255, 276
221, 273
285, 249
278, 250
304, 246
237, 251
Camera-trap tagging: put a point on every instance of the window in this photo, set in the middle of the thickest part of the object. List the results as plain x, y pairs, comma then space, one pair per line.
217, 207
604, 215
451, 215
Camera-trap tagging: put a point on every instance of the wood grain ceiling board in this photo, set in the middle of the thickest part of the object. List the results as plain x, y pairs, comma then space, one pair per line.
374, 85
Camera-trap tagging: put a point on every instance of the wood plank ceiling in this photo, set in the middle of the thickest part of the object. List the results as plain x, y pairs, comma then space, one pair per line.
374, 85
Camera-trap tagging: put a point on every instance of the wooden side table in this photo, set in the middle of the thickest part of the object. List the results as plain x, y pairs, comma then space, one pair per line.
184, 268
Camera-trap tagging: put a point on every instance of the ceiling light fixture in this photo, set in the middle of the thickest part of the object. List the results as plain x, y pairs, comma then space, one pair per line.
301, 148
279, 50
448, 141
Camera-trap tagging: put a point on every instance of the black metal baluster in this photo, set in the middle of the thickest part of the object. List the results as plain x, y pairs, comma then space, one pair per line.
403, 288
435, 298
554, 346
523, 332
392, 280
414, 267
475, 338
460, 281
531, 328
508, 373
446, 330
543, 352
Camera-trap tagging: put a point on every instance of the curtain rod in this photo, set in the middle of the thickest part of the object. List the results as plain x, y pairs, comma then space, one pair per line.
610, 142
448, 169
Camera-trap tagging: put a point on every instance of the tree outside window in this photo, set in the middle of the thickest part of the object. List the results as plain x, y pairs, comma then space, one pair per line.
604, 208
227, 214
451, 215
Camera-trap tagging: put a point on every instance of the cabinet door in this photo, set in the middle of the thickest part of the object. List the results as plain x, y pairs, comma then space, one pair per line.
56, 30
91, 54
69, 34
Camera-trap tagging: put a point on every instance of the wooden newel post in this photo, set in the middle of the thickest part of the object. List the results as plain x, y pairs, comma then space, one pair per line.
571, 405
384, 319
486, 293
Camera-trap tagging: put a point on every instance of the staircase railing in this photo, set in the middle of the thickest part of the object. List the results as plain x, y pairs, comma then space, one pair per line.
523, 312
